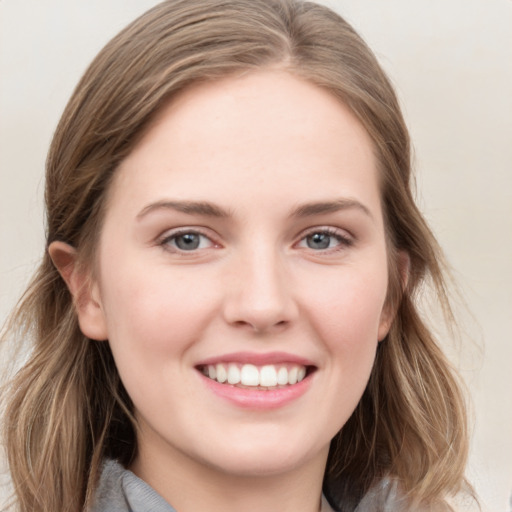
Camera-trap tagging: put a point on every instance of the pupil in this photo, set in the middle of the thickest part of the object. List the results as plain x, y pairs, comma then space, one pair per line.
188, 242
318, 241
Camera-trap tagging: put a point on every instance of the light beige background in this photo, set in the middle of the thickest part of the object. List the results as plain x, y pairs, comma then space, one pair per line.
451, 61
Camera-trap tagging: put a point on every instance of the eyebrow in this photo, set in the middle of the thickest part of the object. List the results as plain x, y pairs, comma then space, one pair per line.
189, 207
323, 207
211, 210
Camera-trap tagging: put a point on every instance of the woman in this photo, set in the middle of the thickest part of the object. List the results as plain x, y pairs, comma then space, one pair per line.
226, 313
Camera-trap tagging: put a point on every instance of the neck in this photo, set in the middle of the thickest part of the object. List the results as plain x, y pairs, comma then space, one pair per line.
190, 486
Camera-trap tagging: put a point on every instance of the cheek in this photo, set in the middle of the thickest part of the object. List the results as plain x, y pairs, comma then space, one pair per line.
347, 308
344, 315
154, 308
153, 317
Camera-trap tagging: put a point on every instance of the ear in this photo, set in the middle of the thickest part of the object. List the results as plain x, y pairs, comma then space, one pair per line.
388, 312
85, 293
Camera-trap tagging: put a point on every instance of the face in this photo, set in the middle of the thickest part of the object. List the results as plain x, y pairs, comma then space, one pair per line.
242, 275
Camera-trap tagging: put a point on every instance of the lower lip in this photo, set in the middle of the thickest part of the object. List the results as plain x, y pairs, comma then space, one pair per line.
258, 399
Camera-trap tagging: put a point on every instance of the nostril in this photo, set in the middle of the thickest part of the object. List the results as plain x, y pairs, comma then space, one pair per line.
260, 325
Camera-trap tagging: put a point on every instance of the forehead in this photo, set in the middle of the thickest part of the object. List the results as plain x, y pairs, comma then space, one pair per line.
263, 129
256, 105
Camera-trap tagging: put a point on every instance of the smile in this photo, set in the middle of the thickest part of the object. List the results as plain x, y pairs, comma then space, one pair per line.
269, 376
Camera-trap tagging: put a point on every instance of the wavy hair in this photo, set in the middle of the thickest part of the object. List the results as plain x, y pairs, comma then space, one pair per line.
66, 409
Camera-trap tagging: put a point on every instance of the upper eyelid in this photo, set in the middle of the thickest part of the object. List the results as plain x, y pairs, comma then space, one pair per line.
344, 233
345, 239
169, 233
176, 232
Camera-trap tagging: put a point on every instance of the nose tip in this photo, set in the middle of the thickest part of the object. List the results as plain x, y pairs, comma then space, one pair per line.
260, 299
259, 320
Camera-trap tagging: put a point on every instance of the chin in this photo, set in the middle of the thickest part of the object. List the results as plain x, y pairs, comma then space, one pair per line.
261, 461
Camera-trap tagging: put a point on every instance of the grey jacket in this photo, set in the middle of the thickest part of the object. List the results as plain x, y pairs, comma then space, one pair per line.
120, 490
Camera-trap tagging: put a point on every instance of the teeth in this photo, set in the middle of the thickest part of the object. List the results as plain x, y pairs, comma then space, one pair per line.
233, 374
250, 376
282, 376
268, 376
222, 374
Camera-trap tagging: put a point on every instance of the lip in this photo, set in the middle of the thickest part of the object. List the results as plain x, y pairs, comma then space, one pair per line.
257, 359
258, 399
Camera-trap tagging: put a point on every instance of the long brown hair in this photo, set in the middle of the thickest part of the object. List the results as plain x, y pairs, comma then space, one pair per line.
67, 409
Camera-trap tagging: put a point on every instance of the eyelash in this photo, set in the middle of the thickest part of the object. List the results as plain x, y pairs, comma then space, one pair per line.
167, 241
344, 241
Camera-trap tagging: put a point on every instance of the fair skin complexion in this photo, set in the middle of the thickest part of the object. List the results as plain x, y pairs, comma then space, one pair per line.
245, 228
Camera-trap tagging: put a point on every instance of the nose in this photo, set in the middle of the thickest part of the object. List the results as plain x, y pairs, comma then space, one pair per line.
260, 294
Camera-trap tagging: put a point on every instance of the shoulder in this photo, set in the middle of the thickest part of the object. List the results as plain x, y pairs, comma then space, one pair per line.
387, 496
119, 490
109, 493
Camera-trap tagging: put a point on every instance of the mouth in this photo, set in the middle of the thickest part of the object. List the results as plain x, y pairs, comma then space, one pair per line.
258, 382
257, 377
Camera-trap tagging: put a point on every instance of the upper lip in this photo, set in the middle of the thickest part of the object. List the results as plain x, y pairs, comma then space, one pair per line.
257, 359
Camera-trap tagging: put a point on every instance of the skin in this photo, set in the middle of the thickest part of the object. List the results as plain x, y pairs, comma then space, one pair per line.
259, 148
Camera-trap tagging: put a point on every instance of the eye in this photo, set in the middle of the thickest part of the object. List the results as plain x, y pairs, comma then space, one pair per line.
187, 241
325, 239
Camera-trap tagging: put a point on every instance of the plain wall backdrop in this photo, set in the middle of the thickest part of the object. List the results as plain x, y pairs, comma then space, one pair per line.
451, 62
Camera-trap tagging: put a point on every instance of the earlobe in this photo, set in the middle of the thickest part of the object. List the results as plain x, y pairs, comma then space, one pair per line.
386, 320
85, 293
404, 267
389, 312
